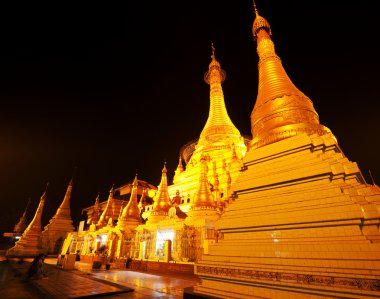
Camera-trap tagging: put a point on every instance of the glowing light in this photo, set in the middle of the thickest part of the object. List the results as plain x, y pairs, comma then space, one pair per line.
151, 193
103, 239
162, 236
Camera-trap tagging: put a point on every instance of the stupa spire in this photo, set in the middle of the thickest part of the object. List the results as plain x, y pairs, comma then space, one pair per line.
131, 212
35, 224
108, 210
281, 109
218, 122
161, 200
21, 224
64, 208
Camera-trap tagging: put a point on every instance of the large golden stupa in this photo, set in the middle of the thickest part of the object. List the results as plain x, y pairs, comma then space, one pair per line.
304, 224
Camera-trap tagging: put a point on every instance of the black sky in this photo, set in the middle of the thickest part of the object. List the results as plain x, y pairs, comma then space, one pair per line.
117, 89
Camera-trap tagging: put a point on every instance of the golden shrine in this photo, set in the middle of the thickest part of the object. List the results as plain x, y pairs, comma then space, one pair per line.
304, 223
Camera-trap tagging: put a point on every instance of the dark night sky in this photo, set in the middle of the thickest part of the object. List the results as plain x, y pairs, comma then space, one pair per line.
117, 89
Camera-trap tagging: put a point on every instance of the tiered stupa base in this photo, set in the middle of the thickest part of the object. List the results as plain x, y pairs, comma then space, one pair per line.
55, 233
303, 225
27, 246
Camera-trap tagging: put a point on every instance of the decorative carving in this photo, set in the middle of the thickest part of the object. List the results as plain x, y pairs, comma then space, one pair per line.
317, 280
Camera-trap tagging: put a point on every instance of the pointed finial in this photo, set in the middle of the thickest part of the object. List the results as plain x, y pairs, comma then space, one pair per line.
255, 8
43, 196
212, 50
135, 183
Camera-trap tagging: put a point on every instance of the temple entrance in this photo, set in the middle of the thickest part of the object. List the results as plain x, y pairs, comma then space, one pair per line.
58, 246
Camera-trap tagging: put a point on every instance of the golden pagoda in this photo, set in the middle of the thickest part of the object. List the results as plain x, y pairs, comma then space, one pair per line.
220, 144
304, 223
59, 226
30, 242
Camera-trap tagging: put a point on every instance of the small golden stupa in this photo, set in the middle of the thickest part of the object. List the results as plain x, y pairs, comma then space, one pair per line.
30, 242
59, 226
130, 216
162, 203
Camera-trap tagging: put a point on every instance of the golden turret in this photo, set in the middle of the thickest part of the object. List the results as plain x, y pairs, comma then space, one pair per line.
203, 199
218, 122
108, 210
161, 204
131, 212
281, 109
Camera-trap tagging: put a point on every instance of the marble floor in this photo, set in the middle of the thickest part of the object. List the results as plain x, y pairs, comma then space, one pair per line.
145, 285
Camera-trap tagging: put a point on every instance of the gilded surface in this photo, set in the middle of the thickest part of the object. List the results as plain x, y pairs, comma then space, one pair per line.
131, 211
220, 144
108, 211
281, 109
204, 197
